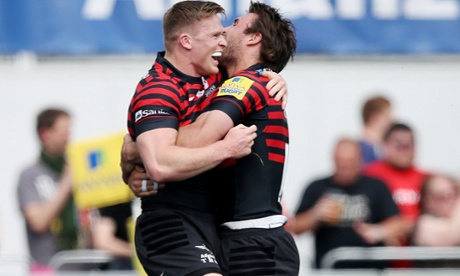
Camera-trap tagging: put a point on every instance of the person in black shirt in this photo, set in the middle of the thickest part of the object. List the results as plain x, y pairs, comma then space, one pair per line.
347, 209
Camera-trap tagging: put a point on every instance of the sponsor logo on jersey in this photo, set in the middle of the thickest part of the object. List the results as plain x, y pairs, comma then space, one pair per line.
210, 90
235, 87
207, 257
143, 113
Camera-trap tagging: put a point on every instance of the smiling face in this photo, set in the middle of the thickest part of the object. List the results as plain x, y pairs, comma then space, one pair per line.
399, 150
236, 38
440, 196
207, 42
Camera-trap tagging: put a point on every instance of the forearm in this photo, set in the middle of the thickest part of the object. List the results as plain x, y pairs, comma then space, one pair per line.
395, 229
104, 239
304, 222
39, 215
164, 161
178, 163
209, 127
115, 247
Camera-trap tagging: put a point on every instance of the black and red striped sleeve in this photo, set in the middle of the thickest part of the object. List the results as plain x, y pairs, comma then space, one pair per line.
156, 104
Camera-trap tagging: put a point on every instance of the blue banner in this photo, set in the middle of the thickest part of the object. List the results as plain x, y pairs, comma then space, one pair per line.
86, 27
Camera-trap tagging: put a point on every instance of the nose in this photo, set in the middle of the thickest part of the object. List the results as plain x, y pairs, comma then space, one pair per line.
223, 40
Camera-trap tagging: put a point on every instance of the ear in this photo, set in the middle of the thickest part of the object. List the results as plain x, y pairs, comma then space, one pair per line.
43, 134
185, 41
255, 39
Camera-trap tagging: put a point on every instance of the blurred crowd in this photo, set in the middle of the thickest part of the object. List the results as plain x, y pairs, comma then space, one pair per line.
377, 196
53, 222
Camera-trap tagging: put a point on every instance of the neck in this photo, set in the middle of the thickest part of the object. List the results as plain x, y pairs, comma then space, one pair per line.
55, 162
181, 60
246, 58
233, 69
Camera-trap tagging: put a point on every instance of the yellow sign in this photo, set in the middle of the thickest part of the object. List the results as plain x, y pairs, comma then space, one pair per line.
96, 169
236, 87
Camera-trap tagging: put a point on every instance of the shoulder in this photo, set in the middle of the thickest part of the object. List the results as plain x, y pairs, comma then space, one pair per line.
374, 166
375, 182
34, 169
239, 85
319, 184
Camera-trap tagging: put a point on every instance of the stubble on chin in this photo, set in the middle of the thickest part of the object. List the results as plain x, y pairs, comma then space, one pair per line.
228, 58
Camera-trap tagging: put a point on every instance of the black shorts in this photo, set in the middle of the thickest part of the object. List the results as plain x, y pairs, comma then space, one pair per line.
258, 252
176, 242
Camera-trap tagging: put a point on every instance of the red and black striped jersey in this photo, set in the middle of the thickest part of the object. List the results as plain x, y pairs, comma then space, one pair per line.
251, 187
167, 98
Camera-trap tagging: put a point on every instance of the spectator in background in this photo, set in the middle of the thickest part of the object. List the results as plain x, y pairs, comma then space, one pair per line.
439, 221
377, 117
110, 233
347, 208
397, 170
44, 192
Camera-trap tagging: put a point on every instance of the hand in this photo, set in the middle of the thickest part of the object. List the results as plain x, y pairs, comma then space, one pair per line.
135, 182
239, 140
129, 150
328, 210
129, 157
277, 87
371, 233
66, 180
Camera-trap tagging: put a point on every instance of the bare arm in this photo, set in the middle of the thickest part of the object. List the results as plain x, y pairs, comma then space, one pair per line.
303, 222
433, 231
198, 134
208, 128
39, 215
104, 238
390, 231
323, 211
164, 161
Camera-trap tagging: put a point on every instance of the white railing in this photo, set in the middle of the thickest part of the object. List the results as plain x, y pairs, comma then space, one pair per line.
389, 253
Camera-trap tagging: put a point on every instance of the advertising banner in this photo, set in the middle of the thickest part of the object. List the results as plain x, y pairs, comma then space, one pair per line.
95, 164
89, 27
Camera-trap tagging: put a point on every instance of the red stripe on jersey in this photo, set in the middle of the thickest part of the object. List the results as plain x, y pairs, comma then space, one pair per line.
275, 143
227, 163
276, 115
276, 157
276, 129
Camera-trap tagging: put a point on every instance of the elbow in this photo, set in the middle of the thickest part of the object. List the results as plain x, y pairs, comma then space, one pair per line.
38, 227
160, 173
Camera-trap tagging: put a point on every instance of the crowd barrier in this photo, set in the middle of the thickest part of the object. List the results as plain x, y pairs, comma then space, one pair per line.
82, 259
390, 253
73, 262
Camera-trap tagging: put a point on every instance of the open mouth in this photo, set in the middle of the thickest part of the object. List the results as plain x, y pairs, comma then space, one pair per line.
215, 55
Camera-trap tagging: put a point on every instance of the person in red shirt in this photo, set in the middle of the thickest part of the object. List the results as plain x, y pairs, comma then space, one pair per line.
398, 171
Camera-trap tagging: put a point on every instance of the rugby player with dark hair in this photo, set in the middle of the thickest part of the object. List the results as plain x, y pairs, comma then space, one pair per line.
253, 239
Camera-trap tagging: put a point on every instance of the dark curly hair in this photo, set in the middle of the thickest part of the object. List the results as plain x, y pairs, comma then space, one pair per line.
279, 40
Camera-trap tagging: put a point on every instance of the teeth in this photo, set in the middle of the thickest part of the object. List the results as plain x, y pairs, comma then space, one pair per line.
216, 54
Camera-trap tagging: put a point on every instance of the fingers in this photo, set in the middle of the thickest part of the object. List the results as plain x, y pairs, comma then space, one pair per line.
141, 185
145, 187
284, 100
